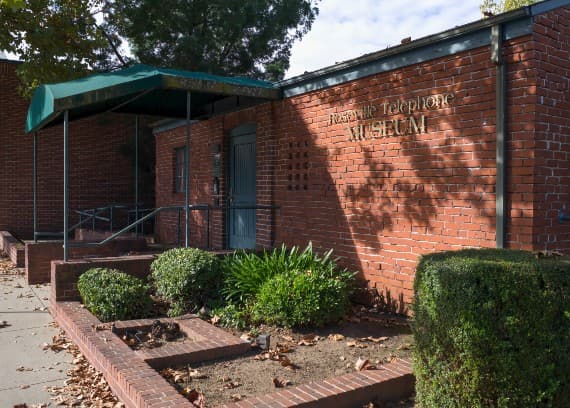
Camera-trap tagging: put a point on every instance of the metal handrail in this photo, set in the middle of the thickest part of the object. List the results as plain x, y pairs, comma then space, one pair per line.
192, 207
125, 229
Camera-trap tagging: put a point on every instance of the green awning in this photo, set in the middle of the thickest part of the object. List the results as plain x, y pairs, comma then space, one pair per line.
141, 89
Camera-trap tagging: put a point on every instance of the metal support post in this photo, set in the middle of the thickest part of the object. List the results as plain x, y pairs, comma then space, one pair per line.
137, 173
186, 174
65, 184
35, 186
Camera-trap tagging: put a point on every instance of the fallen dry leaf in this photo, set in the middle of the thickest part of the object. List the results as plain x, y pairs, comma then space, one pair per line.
404, 347
195, 397
281, 382
236, 397
356, 344
287, 338
215, 320
24, 386
336, 337
306, 343
374, 339
363, 364
230, 385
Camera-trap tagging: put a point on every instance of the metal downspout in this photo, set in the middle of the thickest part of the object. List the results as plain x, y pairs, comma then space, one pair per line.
65, 183
501, 125
187, 175
35, 186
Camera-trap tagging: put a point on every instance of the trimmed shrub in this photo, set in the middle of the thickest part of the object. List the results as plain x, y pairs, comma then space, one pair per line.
303, 298
187, 278
492, 329
246, 272
113, 295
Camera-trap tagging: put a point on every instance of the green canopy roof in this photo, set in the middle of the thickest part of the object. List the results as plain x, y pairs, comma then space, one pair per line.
141, 89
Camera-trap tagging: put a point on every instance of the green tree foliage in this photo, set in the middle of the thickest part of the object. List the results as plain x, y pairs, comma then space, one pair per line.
492, 7
229, 37
59, 40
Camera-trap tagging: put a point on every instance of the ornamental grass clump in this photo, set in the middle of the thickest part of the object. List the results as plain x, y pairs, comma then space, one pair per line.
246, 272
188, 278
113, 295
492, 329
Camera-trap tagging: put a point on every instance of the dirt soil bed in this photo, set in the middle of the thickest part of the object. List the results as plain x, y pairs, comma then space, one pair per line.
158, 334
295, 358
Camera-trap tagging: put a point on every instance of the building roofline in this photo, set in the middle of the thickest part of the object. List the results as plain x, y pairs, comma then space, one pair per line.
475, 34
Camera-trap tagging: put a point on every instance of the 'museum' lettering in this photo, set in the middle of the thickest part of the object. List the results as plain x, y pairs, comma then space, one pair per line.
369, 128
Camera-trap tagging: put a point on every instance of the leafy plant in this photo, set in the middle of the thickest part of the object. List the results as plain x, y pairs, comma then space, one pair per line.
113, 295
303, 298
232, 316
491, 330
186, 277
246, 272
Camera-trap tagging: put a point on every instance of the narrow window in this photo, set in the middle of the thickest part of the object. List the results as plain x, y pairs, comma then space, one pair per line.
179, 173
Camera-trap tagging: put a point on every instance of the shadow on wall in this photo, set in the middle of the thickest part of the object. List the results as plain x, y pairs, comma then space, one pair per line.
381, 202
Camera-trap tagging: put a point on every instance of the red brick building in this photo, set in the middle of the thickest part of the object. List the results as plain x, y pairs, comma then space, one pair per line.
394, 154
101, 169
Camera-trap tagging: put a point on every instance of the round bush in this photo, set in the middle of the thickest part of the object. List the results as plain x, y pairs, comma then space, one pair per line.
187, 278
492, 329
303, 298
113, 295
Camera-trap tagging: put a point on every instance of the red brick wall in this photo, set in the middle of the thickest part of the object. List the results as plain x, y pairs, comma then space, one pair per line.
552, 172
99, 173
381, 203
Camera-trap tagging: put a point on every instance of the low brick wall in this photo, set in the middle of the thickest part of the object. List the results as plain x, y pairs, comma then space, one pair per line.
131, 379
391, 382
40, 254
138, 385
64, 275
13, 247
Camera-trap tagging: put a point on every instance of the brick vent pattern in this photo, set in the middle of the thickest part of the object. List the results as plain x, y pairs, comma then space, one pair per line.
139, 386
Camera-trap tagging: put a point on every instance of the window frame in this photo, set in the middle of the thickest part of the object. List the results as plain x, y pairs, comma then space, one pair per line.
179, 167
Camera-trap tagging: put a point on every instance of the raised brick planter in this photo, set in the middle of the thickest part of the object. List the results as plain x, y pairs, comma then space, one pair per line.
207, 343
40, 254
131, 377
64, 275
13, 247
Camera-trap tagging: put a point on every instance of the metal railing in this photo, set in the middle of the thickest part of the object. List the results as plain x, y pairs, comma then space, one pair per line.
152, 213
106, 215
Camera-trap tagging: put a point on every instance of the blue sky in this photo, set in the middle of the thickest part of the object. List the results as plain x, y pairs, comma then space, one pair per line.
346, 29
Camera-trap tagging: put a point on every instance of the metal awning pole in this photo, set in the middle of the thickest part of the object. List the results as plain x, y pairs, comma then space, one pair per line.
35, 186
187, 174
65, 183
137, 173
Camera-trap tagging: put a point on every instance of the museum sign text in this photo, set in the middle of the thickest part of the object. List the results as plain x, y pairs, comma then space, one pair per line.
391, 118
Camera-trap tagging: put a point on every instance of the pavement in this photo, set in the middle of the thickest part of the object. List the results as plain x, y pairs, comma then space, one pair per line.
25, 368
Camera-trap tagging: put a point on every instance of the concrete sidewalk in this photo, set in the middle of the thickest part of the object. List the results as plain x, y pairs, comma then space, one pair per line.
25, 368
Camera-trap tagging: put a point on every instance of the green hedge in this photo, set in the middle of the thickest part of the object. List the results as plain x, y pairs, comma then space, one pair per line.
492, 329
113, 295
186, 277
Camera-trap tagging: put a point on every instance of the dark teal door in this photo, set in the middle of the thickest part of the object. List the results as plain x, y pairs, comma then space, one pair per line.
241, 187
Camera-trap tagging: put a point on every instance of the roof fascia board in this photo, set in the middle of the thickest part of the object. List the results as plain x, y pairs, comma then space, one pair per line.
220, 88
546, 6
135, 88
473, 35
